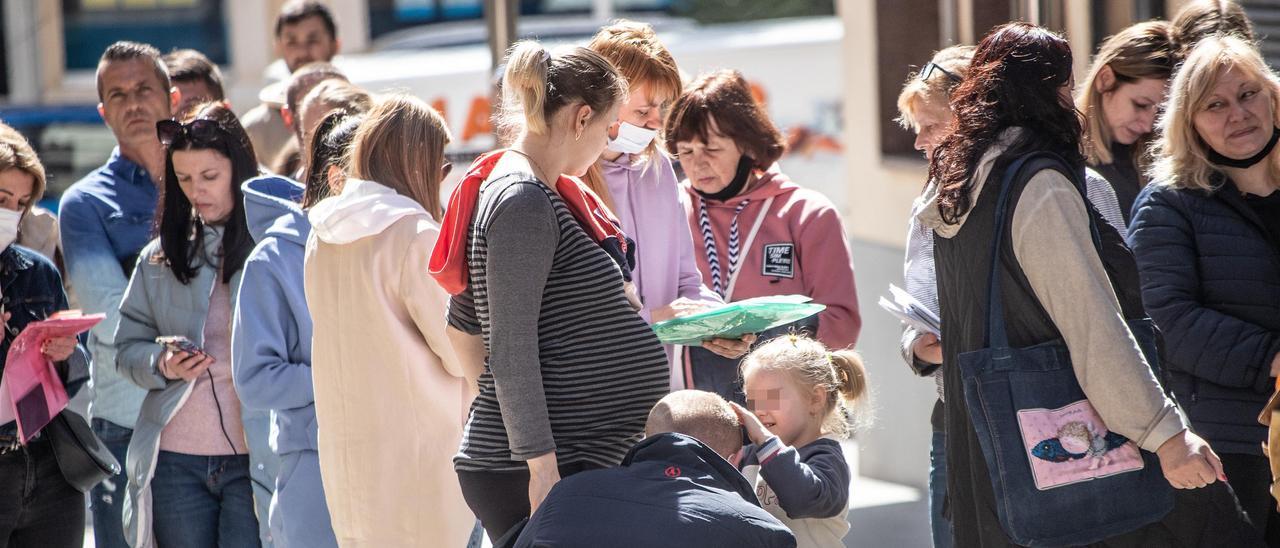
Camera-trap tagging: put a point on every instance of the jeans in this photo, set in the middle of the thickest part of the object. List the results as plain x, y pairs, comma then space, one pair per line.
37, 505
938, 490
203, 502
107, 498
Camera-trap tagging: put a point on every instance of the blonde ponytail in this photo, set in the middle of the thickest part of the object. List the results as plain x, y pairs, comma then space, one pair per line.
536, 84
851, 373
524, 84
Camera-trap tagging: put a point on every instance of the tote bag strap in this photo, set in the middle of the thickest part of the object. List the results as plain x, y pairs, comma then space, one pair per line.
997, 336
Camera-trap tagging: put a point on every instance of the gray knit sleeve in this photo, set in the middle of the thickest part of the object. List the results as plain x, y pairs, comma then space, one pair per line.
521, 236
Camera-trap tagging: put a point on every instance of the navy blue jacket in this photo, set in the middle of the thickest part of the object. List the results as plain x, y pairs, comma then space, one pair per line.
671, 490
32, 291
1211, 281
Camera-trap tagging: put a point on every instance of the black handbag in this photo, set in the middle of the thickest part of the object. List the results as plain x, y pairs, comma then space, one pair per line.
81, 456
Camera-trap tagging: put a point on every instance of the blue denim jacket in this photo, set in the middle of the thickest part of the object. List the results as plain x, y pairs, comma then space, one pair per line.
105, 220
32, 291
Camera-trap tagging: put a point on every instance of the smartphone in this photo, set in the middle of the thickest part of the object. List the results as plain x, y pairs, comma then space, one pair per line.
178, 343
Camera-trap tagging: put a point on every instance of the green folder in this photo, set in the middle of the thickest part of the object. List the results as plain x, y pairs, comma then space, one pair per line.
733, 320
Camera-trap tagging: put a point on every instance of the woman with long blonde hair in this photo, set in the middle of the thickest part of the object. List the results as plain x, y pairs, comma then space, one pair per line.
1206, 235
1120, 99
391, 395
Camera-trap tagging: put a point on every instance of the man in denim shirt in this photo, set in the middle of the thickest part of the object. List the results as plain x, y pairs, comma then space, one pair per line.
106, 219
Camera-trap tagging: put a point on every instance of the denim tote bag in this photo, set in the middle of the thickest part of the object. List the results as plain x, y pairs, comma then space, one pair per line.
1060, 477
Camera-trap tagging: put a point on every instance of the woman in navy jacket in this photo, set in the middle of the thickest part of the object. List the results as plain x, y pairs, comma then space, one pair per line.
1207, 241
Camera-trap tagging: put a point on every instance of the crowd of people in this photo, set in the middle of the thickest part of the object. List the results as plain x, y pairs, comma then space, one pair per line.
1161, 211
307, 344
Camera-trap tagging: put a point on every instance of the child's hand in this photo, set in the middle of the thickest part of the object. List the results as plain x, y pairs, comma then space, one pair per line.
755, 429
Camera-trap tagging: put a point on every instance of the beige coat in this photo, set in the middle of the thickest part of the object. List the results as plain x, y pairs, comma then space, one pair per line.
391, 399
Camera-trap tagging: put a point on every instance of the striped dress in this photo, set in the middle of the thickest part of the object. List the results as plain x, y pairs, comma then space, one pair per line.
571, 367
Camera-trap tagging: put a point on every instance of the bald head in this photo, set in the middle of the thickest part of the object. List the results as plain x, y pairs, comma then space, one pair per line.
702, 415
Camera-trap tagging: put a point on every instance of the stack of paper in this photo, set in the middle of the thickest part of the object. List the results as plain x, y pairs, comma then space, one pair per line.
911, 311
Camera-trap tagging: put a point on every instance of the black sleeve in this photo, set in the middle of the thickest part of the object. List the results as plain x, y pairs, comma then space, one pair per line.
815, 485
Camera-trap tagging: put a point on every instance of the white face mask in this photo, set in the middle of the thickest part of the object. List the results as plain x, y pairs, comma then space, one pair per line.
9, 226
632, 139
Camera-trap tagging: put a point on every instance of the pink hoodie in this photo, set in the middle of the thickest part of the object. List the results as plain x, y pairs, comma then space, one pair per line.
800, 249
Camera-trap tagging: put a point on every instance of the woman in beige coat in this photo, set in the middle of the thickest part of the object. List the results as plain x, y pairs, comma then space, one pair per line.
391, 395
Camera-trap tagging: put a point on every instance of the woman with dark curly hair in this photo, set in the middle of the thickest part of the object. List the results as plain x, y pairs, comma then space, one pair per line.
1057, 285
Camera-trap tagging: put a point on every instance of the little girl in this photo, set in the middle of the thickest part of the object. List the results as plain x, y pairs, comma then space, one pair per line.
800, 394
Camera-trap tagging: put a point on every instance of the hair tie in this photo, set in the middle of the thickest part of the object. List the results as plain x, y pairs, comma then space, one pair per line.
546, 57
841, 375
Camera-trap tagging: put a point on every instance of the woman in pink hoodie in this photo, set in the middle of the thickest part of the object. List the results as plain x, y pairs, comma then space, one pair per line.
756, 233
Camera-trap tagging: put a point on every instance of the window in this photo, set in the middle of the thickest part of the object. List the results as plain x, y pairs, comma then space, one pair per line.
89, 26
386, 16
922, 21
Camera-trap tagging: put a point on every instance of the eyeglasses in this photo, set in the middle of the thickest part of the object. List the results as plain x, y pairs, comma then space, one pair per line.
928, 69
200, 132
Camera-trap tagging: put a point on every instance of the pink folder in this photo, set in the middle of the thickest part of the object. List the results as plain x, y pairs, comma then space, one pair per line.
30, 391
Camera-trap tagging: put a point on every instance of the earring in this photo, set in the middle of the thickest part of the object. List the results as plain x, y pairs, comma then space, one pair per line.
577, 137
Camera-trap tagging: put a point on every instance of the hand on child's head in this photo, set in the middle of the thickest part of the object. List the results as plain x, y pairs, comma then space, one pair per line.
756, 430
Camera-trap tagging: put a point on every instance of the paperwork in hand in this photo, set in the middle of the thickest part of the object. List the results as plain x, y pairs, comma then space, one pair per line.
911, 311
31, 392
733, 320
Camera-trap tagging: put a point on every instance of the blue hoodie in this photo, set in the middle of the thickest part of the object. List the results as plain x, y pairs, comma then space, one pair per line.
271, 342
271, 358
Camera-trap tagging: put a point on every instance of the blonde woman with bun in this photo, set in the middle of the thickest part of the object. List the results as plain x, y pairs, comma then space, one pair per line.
539, 270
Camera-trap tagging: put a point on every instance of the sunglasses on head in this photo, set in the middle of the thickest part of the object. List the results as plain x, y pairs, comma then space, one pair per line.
200, 132
928, 69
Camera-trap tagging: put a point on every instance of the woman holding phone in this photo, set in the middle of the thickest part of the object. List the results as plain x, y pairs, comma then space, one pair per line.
188, 463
